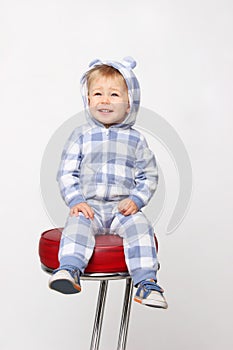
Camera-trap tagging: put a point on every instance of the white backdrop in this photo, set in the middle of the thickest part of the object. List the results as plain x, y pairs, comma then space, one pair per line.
184, 51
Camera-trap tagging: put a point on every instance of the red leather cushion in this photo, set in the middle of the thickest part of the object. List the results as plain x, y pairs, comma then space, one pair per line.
108, 255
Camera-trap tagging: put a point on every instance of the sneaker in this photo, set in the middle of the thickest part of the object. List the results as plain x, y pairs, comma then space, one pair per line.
65, 281
150, 294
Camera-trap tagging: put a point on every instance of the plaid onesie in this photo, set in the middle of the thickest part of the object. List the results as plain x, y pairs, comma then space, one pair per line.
101, 166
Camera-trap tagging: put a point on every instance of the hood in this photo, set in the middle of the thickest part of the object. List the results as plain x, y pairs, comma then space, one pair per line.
125, 68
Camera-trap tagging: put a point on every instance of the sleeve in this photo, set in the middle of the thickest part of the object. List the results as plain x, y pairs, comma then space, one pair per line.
69, 171
146, 175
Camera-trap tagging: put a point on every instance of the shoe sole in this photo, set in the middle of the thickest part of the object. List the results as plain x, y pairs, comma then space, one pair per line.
65, 286
151, 303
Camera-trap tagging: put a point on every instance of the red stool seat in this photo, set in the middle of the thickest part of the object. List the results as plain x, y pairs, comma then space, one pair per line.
108, 255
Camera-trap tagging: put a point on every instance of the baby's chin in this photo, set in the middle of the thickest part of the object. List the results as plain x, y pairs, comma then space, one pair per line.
110, 121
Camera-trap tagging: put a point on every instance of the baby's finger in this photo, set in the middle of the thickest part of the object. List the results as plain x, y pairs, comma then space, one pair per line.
76, 211
87, 211
90, 212
123, 204
133, 209
127, 212
73, 212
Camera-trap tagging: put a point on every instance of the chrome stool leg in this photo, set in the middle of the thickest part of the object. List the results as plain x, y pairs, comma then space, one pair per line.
125, 315
99, 315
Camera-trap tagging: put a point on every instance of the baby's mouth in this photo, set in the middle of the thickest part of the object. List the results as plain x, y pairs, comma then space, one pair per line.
105, 110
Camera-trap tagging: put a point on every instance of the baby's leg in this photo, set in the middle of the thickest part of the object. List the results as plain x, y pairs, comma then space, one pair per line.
139, 245
76, 247
77, 241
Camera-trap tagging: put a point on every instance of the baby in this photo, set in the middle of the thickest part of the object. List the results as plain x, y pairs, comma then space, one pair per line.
107, 174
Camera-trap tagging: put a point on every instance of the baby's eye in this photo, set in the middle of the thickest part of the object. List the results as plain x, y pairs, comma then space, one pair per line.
97, 94
115, 94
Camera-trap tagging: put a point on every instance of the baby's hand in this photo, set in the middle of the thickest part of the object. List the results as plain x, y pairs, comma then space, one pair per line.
83, 208
127, 207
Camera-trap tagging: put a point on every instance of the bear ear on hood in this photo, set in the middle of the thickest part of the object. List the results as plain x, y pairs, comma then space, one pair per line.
94, 62
129, 62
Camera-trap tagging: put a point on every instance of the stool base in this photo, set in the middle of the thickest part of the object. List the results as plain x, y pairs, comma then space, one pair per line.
123, 333
104, 278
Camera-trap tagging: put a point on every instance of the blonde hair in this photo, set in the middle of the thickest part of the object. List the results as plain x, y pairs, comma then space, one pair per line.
103, 70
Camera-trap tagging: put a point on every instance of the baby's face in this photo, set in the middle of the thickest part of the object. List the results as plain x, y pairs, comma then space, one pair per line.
108, 100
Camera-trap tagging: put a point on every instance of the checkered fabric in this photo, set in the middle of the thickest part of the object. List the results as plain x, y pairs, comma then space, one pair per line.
78, 239
105, 165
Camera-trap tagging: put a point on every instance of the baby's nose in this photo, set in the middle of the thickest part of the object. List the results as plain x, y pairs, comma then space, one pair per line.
105, 99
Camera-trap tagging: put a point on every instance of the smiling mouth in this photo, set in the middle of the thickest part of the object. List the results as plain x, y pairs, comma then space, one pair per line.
103, 110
